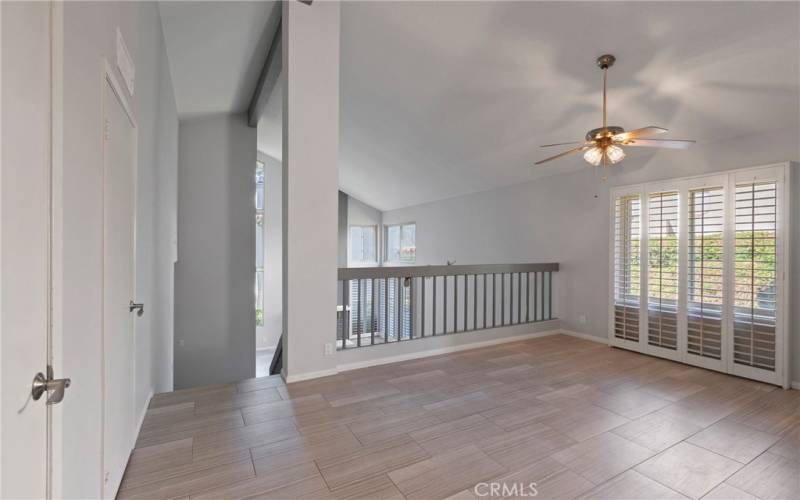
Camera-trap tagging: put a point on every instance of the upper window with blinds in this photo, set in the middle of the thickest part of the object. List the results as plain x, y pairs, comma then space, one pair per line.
705, 282
662, 270
755, 281
627, 217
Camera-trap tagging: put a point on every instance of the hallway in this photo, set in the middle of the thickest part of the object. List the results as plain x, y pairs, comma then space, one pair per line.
575, 417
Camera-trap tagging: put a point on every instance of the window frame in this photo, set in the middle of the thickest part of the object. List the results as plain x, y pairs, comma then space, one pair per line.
366, 263
385, 254
258, 302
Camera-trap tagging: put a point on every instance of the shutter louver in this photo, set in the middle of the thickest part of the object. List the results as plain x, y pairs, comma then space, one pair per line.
755, 276
705, 283
626, 267
662, 295
361, 300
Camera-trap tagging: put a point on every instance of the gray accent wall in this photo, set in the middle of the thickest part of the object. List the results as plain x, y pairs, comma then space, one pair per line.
565, 219
214, 278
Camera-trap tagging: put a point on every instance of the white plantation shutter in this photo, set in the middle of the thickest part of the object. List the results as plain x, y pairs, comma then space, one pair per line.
662, 249
715, 281
393, 317
755, 283
627, 225
705, 282
361, 303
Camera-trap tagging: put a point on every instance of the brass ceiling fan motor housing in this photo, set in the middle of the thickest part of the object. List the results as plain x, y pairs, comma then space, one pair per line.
606, 61
600, 133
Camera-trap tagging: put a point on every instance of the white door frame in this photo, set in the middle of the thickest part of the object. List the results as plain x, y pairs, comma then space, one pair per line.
108, 78
56, 332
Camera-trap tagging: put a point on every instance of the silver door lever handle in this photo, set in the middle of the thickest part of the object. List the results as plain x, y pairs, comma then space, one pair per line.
134, 306
54, 387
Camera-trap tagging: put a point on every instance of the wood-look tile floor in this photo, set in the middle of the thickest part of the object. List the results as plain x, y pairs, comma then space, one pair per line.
579, 419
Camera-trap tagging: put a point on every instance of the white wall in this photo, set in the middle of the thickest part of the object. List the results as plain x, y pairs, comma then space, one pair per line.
90, 35
166, 188
564, 219
310, 184
215, 273
342, 228
268, 335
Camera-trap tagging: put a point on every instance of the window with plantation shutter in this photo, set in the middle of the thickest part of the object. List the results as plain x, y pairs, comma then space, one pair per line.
714, 282
626, 267
662, 270
705, 282
755, 284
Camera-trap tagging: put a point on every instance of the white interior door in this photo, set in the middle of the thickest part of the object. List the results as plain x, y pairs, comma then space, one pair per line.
24, 255
119, 160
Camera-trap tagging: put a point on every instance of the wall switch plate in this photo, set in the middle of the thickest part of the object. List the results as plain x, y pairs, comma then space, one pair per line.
329, 349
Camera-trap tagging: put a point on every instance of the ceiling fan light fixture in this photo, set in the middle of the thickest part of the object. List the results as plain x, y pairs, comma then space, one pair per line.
615, 154
594, 156
603, 145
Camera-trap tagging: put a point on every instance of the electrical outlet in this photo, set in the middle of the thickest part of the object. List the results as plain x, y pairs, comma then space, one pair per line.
582, 319
329, 349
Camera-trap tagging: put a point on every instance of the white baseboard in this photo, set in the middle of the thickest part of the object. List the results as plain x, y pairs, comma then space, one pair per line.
585, 336
436, 352
796, 385
443, 350
144, 412
308, 376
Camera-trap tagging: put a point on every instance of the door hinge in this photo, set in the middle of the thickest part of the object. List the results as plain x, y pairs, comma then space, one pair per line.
107, 129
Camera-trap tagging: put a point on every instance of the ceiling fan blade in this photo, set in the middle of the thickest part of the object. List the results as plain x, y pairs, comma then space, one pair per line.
565, 153
639, 132
560, 144
660, 143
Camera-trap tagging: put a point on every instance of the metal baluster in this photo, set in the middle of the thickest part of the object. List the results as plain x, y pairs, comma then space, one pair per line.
444, 278
494, 300
345, 316
398, 295
433, 326
474, 301
484, 300
411, 309
359, 325
549, 294
527, 297
422, 312
519, 297
536, 296
372, 321
466, 293
385, 310
455, 303
503, 299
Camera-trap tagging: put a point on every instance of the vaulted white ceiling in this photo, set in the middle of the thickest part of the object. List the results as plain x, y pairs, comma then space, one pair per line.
216, 52
440, 99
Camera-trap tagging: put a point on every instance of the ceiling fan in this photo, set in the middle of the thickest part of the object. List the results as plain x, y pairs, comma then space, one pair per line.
604, 145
